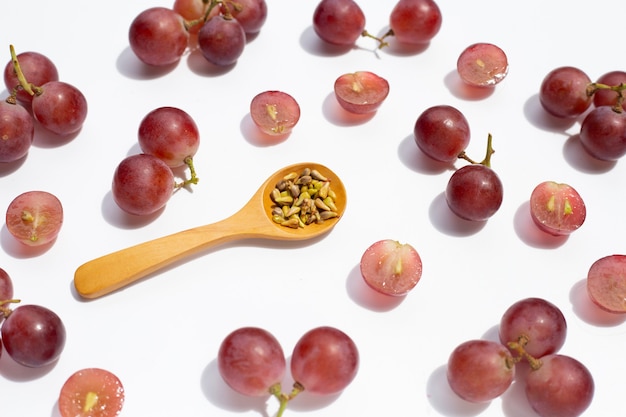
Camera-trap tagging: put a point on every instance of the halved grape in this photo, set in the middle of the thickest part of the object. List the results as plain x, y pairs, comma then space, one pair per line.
91, 392
606, 283
557, 208
563, 92
415, 21
37, 68
35, 217
442, 132
391, 267
339, 22
482, 65
17, 130
361, 92
274, 112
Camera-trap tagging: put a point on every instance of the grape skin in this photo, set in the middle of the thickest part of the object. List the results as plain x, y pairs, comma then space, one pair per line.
391, 267
252, 15
37, 68
325, 360
274, 112
158, 36
563, 92
338, 22
251, 360
17, 130
60, 107
221, 40
482, 65
557, 208
415, 21
6, 292
603, 133
561, 387
361, 92
604, 97
474, 192
442, 132
33, 336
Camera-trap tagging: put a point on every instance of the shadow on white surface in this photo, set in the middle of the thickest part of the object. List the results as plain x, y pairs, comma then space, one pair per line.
131, 67
117, 217
461, 89
445, 221
445, 401
366, 297
314, 45
13, 371
540, 118
587, 311
337, 115
530, 234
18, 250
254, 136
581, 160
416, 160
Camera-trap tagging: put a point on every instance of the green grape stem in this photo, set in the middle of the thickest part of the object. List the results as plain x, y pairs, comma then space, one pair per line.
283, 399
193, 176
28, 87
487, 160
619, 89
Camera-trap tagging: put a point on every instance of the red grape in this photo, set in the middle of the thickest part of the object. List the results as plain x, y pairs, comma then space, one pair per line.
170, 134
539, 322
35, 217
91, 392
482, 65
274, 112
158, 36
251, 360
142, 184
603, 133
33, 335
474, 192
606, 283
605, 97
17, 130
442, 132
325, 360
6, 293
339, 22
390, 267
60, 107
415, 21
563, 92
480, 370
557, 208
37, 68
560, 387
361, 92
251, 14
221, 40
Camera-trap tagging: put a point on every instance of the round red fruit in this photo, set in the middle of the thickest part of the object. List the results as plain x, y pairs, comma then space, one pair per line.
35, 217
391, 267
557, 208
339, 22
442, 132
275, 112
606, 283
415, 21
158, 36
91, 392
474, 192
482, 65
361, 92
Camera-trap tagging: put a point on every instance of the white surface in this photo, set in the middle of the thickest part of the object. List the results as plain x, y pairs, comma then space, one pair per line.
161, 335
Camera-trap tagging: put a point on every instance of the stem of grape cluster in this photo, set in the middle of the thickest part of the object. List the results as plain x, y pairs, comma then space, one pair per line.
619, 89
6, 311
28, 87
283, 398
193, 178
487, 160
519, 347
381, 41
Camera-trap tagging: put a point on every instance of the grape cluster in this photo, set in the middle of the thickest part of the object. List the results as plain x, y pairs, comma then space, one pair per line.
411, 22
532, 331
159, 36
143, 183
36, 95
568, 92
33, 335
251, 361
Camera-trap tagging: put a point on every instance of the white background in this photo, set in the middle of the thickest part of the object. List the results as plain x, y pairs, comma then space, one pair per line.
161, 335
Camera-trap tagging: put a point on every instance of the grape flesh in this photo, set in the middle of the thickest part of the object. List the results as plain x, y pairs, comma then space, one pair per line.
33, 335
37, 68
338, 22
35, 217
603, 133
561, 387
221, 40
325, 360
170, 134
482, 65
158, 36
480, 370
563, 92
361, 92
91, 392
391, 267
539, 321
474, 192
415, 21
274, 112
251, 360
605, 97
606, 283
442, 132
17, 130
60, 107
557, 208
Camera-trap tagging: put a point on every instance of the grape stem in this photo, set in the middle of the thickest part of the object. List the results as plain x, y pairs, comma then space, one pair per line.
619, 89
194, 177
6, 311
487, 160
210, 4
519, 347
24, 84
381, 41
283, 399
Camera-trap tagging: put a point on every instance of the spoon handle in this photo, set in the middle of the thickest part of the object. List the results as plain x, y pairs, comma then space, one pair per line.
110, 272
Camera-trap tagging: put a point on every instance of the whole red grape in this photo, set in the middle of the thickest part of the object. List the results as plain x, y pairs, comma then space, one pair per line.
158, 36
415, 21
563, 92
17, 130
37, 68
339, 22
603, 133
221, 40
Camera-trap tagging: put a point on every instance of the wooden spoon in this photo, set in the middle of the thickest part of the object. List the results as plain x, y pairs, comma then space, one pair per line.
113, 271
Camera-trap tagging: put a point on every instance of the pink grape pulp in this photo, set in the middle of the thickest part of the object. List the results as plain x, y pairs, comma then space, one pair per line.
33, 336
606, 283
60, 107
361, 92
274, 112
538, 320
561, 387
442, 132
480, 370
17, 131
37, 68
158, 36
563, 92
391, 267
91, 392
338, 22
603, 133
170, 134
557, 208
221, 40
251, 360
35, 217
325, 360
142, 184
482, 65
415, 21
474, 192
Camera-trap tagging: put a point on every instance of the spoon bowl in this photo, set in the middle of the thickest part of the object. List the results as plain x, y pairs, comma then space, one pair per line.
111, 272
